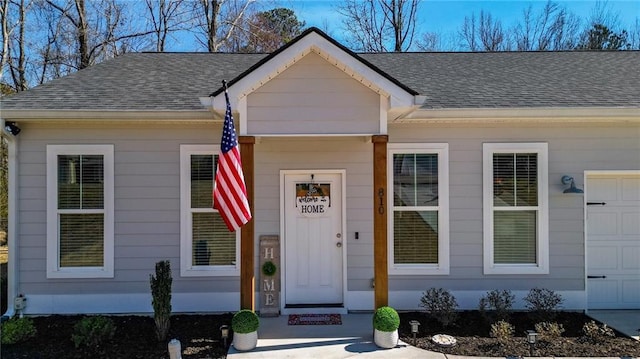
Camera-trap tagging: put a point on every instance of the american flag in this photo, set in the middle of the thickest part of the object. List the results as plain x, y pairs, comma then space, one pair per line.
229, 190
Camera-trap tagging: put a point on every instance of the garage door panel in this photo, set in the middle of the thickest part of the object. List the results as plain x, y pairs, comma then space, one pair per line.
603, 291
631, 258
601, 224
631, 189
631, 293
631, 223
601, 258
606, 188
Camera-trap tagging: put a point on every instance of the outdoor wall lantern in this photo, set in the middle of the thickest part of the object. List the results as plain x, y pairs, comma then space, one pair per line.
572, 188
532, 336
12, 128
224, 333
414, 329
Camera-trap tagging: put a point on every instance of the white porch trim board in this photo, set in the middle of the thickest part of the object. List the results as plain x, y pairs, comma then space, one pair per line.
140, 303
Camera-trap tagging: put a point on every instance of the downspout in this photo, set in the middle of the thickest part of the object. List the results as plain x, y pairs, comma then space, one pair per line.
12, 222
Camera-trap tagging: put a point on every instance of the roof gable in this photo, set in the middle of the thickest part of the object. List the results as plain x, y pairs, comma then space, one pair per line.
314, 41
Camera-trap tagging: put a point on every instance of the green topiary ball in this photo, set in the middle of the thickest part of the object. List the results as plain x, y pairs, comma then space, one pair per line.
245, 321
386, 319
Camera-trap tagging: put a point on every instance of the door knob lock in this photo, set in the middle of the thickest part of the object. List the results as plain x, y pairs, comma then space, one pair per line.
339, 244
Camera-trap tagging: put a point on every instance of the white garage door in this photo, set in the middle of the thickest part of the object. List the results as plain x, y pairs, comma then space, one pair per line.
613, 241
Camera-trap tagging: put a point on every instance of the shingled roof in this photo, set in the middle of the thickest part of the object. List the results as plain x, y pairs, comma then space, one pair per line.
176, 81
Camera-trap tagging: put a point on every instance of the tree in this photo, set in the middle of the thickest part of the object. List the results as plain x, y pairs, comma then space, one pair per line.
601, 37
165, 17
553, 28
379, 25
222, 23
271, 29
13, 57
486, 34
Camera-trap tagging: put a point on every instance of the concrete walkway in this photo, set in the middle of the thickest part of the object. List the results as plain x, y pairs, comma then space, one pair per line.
624, 321
354, 339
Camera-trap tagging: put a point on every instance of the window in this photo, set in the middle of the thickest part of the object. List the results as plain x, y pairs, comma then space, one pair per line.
207, 247
419, 209
79, 211
515, 208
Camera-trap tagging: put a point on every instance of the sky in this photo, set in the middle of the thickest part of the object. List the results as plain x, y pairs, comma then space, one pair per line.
446, 16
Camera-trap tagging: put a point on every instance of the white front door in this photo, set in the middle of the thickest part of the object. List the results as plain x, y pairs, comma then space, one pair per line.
313, 238
613, 241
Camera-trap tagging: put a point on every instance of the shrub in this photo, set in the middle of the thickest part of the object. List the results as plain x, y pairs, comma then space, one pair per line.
386, 319
440, 304
596, 334
161, 294
499, 302
17, 330
245, 321
502, 331
93, 331
549, 331
543, 303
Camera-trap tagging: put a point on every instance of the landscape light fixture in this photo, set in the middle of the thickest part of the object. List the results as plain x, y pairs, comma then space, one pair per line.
414, 329
224, 333
572, 188
12, 128
532, 336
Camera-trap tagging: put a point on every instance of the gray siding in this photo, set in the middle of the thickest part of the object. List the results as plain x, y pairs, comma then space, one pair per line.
313, 96
572, 150
147, 205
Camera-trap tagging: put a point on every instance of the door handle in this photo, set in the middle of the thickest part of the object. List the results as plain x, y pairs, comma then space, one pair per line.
596, 276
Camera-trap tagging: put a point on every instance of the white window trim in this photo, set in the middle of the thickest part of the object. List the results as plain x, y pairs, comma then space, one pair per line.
187, 269
542, 244
442, 150
53, 265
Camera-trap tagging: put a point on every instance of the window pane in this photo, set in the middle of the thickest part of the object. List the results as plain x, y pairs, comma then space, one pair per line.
515, 179
415, 237
80, 182
213, 244
68, 182
81, 240
514, 237
92, 170
415, 179
202, 176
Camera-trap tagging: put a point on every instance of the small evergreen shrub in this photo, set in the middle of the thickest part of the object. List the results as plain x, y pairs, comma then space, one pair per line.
502, 331
245, 321
386, 319
543, 304
161, 298
440, 304
17, 330
498, 303
93, 331
549, 331
596, 334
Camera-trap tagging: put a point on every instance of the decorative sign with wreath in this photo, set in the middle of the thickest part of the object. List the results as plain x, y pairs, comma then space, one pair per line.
313, 199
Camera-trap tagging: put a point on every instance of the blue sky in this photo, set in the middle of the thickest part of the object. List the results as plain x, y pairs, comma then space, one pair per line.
446, 16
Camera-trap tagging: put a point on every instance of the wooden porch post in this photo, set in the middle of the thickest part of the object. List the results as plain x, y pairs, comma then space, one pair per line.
247, 278
381, 277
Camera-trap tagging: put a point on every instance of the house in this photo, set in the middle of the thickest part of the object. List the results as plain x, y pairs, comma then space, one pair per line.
376, 176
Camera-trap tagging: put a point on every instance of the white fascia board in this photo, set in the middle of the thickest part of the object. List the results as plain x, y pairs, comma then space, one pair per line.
542, 114
327, 50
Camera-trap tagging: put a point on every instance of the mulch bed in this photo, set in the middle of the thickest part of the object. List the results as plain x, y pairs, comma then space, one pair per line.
199, 336
471, 331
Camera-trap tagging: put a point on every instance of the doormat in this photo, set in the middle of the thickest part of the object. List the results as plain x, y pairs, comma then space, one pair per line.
315, 319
